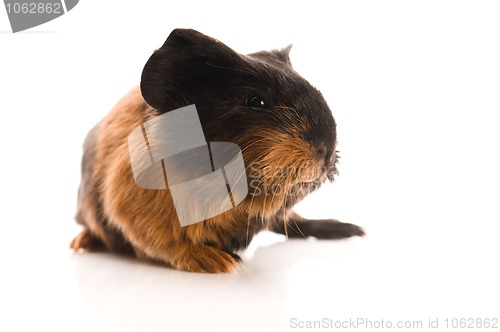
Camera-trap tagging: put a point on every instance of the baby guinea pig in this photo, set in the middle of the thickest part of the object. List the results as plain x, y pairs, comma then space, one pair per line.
281, 123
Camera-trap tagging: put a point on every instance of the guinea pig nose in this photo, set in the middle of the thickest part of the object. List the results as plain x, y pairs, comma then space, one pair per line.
319, 150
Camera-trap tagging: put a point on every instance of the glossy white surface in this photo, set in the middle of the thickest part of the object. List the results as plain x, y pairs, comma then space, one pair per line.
415, 91
380, 277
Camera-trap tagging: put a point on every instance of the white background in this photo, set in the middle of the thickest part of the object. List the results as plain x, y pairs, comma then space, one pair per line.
415, 89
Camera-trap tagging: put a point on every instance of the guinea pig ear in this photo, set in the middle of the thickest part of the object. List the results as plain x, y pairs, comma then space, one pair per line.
188, 62
279, 57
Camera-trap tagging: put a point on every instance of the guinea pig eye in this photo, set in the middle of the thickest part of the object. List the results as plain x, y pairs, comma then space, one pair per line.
256, 103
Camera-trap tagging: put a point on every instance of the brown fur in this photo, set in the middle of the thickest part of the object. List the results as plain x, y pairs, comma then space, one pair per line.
123, 217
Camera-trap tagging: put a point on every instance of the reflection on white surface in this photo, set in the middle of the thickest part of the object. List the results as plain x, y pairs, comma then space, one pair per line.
414, 88
278, 281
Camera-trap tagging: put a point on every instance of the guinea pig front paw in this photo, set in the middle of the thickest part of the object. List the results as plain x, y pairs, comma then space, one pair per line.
205, 259
334, 229
327, 229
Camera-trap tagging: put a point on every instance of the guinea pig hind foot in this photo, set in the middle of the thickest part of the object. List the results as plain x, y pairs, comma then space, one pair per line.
86, 242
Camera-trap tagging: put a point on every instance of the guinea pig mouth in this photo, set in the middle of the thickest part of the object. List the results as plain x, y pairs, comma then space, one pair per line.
303, 188
318, 176
295, 193
310, 184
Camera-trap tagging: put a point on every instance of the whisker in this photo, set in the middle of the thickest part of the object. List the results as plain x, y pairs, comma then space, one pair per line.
284, 217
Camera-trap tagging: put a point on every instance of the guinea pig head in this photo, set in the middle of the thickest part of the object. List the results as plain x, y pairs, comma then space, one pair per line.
282, 124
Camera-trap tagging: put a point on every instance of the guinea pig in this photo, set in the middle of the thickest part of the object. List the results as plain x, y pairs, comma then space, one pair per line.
282, 124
